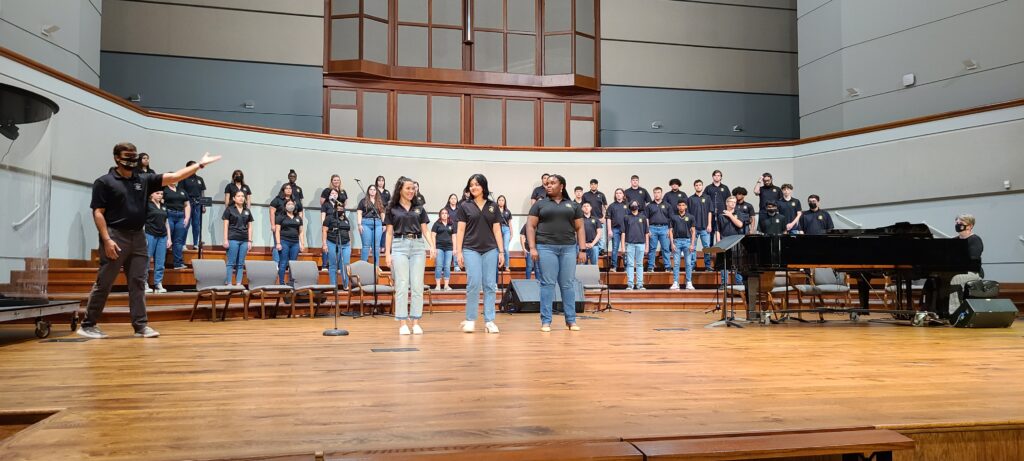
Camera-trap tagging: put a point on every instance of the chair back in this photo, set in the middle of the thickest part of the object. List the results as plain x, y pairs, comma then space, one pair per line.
363, 271
588, 274
304, 273
780, 280
208, 272
261, 273
827, 276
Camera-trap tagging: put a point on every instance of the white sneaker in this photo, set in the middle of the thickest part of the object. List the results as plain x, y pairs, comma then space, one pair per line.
468, 326
147, 332
689, 286
629, 287
404, 330
675, 286
160, 289
91, 332
641, 287
490, 327
148, 289
416, 330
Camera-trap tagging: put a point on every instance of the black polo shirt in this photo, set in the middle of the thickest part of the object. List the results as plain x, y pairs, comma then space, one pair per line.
368, 209
658, 213
640, 195
789, 209
635, 228
296, 191
745, 211
816, 222
419, 200
726, 227
526, 245
682, 224
451, 211
768, 195
156, 220
538, 193
556, 222
338, 228
699, 206
591, 226
772, 225
279, 202
231, 188
505, 217
443, 234
194, 186
617, 214
674, 197
123, 200
385, 195
326, 195
718, 195
597, 202
479, 233
238, 222
289, 227
406, 221
175, 199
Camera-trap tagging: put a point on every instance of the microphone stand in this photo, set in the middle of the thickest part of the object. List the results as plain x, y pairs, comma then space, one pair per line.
376, 257
335, 331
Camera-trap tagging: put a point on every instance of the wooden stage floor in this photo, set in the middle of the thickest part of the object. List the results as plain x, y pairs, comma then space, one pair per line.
273, 387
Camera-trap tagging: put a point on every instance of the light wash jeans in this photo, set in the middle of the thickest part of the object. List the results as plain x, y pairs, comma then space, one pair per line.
635, 265
705, 241
408, 258
558, 267
689, 258
156, 247
289, 252
481, 273
338, 257
236, 260
443, 265
371, 225
506, 237
659, 238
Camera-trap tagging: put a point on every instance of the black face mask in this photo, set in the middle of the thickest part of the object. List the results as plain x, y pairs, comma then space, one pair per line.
960, 227
634, 208
772, 212
129, 163
813, 205
237, 178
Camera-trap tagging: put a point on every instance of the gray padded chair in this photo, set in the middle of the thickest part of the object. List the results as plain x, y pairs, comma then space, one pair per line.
824, 281
209, 275
360, 281
589, 275
306, 277
917, 286
262, 277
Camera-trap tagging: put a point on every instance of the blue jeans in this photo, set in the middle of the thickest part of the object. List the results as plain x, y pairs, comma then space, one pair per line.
593, 254
659, 238
635, 265
616, 242
481, 273
725, 278
196, 222
705, 241
338, 257
558, 266
273, 247
532, 267
236, 260
371, 225
156, 248
178, 232
506, 237
689, 258
443, 265
289, 252
408, 258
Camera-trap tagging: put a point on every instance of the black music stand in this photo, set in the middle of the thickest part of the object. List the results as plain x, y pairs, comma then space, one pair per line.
729, 318
607, 282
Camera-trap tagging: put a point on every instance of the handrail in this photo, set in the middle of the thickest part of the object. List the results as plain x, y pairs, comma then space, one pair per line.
19, 224
855, 224
5, 52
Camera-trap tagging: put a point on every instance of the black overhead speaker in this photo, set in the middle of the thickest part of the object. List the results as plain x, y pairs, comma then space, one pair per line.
523, 296
984, 313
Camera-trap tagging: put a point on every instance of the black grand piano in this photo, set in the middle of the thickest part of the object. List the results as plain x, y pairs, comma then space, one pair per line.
903, 251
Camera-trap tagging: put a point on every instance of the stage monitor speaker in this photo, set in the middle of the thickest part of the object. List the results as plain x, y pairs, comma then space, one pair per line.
985, 313
524, 296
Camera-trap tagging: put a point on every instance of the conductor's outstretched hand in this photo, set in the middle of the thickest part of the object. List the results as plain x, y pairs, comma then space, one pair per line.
208, 159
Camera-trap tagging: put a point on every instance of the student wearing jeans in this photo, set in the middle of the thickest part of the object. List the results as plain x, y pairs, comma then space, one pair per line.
635, 238
616, 214
531, 267
700, 205
368, 215
408, 237
237, 236
178, 213
157, 242
337, 245
555, 233
288, 232
505, 219
478, 250
658, 213
442, 233
683, 233
592, 233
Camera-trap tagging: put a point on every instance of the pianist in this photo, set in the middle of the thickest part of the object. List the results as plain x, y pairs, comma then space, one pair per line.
964, 226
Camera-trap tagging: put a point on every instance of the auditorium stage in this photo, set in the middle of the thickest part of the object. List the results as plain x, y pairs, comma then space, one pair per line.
261, 388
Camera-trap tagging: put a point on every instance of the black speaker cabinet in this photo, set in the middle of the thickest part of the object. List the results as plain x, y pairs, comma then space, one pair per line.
524, 296
984, 313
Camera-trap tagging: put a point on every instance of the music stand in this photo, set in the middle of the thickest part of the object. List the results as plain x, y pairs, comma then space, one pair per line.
205, 202
607, 282
729, 318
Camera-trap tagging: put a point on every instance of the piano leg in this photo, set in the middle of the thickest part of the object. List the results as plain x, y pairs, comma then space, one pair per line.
863, 293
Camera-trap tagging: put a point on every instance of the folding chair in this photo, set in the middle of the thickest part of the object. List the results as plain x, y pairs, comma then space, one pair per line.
209, 275
262, 277
306, 277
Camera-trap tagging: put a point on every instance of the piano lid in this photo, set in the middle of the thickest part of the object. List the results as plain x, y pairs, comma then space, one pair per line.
904, 229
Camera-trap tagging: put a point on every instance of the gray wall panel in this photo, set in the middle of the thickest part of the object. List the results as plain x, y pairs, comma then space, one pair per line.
167, 82
309, 123
696, 117
73, 49
646, 139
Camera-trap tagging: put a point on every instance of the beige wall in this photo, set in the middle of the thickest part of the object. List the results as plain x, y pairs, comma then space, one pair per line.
218, 33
